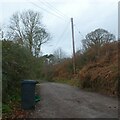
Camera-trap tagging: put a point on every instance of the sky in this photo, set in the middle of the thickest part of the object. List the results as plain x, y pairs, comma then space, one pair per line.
87, 15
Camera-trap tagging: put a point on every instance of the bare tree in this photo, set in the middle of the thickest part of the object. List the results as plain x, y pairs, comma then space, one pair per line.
26, 29
97, 38
59, 55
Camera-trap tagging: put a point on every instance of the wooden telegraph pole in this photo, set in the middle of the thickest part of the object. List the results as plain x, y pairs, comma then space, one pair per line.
74, 69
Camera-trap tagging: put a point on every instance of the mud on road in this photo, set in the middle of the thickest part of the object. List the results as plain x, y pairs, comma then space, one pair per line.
64, 101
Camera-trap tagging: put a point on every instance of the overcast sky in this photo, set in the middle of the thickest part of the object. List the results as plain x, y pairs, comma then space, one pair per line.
88, 15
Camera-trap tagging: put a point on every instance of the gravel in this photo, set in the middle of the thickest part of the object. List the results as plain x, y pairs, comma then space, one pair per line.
64, 101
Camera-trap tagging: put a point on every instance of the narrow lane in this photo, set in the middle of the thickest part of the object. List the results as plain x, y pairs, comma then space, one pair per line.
64, 101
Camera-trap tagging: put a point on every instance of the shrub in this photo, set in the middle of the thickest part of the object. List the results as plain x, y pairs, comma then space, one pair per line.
17, 64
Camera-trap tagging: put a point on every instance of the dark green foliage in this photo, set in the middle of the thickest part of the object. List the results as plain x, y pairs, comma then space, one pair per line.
37, 67
6, 108
17, 64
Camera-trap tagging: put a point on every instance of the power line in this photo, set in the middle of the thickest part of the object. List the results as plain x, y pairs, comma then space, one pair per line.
79, 31
45, 10
62, 35
52, 7
58, 10
47, 6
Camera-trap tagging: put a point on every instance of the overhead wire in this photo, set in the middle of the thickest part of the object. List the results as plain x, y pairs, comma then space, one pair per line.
79, 31
79, 47
54, 8
56, 15
62, 35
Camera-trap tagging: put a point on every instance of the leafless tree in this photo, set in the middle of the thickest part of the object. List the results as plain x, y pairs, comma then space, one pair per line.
97, 38
26, 29
59, 55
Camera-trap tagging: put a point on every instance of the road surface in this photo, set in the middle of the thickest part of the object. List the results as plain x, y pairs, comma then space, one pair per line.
64, 101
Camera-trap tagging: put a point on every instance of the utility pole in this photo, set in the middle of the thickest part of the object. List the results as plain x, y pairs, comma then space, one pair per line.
74, 69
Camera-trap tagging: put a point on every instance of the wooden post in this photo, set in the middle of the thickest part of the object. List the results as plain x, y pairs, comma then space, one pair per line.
74, 69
